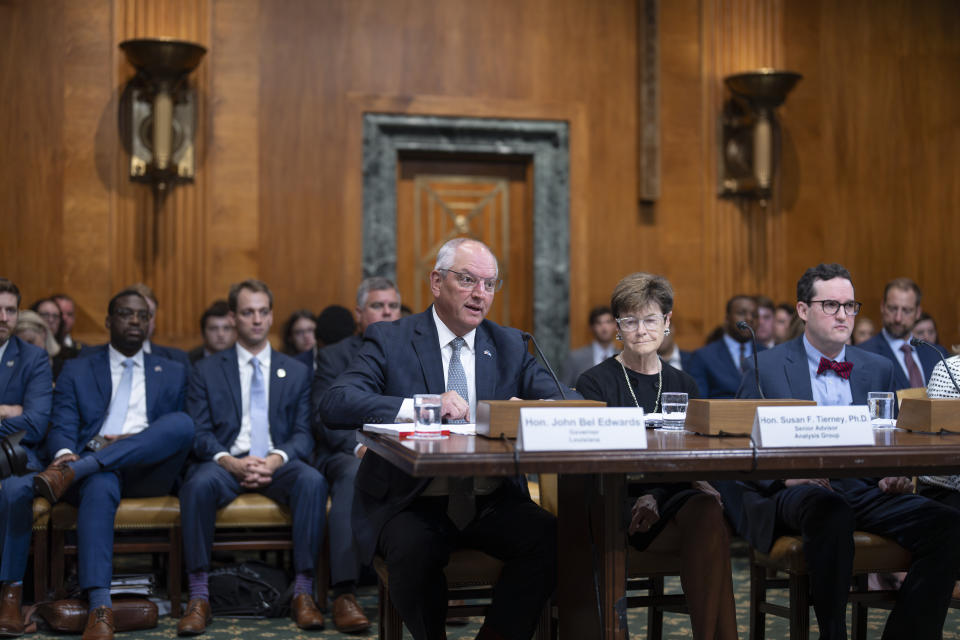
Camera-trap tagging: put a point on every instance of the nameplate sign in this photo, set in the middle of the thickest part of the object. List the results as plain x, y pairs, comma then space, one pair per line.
579, 429
812, 427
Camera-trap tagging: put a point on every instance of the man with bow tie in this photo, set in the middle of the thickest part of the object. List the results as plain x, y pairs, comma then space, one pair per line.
118, 430
820, 366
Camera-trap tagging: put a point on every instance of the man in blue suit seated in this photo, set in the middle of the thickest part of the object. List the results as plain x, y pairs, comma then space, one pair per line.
251, 406
26, 392
338, 453
900, 312
819, 366
449, 349
718, 366
118, 431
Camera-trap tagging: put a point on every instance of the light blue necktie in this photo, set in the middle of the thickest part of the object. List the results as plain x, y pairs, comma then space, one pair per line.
113, 425
456, 376
259, 423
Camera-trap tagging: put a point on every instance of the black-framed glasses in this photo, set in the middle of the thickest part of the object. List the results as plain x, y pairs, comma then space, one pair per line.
831, 307
467, 281
650, 323
126, 313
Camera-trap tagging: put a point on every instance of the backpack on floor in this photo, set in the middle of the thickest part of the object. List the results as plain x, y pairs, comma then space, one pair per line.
250, 589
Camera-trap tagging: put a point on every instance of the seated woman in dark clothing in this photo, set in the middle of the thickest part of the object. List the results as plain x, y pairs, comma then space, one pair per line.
683, 516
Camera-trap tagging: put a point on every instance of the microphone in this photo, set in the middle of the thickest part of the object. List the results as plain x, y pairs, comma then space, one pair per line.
916, 342
743, 326
527, 337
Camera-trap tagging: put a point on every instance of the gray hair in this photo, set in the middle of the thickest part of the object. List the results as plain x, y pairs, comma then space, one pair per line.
447, 253
375, 283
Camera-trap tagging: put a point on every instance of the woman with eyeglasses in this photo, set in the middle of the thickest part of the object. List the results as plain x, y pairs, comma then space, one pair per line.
684, 517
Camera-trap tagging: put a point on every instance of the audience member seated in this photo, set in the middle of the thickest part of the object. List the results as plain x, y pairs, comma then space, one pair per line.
33, 329
637, 377
118, 430
945, 489
926, 329
717, 367
820, 366
765, 321
218, 330
338, 454
334, 324
68, 313
170, 353
900, 311
603, 328
299, 332
786, 324
863, 330
251, 407
25, 398
449, 349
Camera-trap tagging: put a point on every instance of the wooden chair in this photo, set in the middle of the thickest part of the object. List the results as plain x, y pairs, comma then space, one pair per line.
40, 544
872, 554
137, 524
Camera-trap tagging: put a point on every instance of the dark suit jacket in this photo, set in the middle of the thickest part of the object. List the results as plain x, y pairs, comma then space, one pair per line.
308, 358
397, 360
84, 388
713, 369
26, 380
879, 345
784, 374
331, 362
169, 353
213, 401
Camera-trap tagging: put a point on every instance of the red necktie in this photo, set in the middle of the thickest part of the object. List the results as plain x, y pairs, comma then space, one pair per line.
913, 371
843, 369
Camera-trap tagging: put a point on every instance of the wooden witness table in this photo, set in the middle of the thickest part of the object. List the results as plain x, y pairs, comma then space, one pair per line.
592, 491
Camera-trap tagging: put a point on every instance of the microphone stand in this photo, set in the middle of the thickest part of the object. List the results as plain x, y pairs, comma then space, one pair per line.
743, 326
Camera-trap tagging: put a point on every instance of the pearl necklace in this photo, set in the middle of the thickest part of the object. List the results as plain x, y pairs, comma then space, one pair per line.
630, 386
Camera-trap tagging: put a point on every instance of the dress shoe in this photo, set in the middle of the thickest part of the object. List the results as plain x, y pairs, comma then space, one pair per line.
11, 620
305, 613
347, 615
99, 624
52, 482
195, 620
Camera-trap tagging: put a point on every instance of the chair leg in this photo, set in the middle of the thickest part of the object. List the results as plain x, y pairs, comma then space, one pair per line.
41, 564
655, 613
799, 607
391, 627
57, 563
323, 571
174, 567
758, 596
858, 625
545, 622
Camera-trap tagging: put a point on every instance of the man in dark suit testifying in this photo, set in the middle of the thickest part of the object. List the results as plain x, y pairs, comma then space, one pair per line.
819, 366
118, 430
449, 349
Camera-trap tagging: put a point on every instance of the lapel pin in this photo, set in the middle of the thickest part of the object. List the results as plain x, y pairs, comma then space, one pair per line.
9, 363
158, 368
281, 373
487, 353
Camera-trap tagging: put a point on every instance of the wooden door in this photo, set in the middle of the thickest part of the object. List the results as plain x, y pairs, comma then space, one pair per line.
440, 197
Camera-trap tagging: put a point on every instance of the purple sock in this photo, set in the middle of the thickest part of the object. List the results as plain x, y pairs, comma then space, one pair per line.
198, 585
303, 583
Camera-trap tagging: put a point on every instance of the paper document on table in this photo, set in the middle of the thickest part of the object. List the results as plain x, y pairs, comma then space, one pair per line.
405, 429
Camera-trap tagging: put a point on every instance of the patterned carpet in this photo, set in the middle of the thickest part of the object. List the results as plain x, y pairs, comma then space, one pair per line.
676, 627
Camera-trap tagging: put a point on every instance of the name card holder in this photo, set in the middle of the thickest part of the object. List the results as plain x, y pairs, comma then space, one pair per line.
710, 417
496, 417
929, 414
581, 429
813, 427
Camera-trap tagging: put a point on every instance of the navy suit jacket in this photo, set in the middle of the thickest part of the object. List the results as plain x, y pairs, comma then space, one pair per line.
214, 403
784, 373
331, 362
84, 388
397, 360
307, 358
169, 353
879, 345
26, 380
714, 370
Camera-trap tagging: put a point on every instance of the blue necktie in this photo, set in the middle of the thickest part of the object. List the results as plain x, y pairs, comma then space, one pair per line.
259, 423
456, 376
113, 425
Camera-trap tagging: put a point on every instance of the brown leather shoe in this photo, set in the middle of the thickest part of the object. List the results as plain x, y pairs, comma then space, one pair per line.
99, 624
11, 620
52, 482
305, 613
195, 620
347, 614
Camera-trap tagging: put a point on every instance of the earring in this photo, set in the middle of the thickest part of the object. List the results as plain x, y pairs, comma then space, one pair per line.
619, 337
666, 331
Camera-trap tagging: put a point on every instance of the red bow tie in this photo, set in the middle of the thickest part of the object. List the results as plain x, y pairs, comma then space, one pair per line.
843, 369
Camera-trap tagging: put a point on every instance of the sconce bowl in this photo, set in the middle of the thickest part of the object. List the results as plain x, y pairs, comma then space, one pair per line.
163, 57
763, 87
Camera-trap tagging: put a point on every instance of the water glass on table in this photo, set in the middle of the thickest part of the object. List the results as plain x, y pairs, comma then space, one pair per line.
674, 410
880, 405
426, 410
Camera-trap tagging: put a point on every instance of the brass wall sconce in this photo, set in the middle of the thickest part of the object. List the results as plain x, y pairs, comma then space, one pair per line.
158, 110
749, 132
